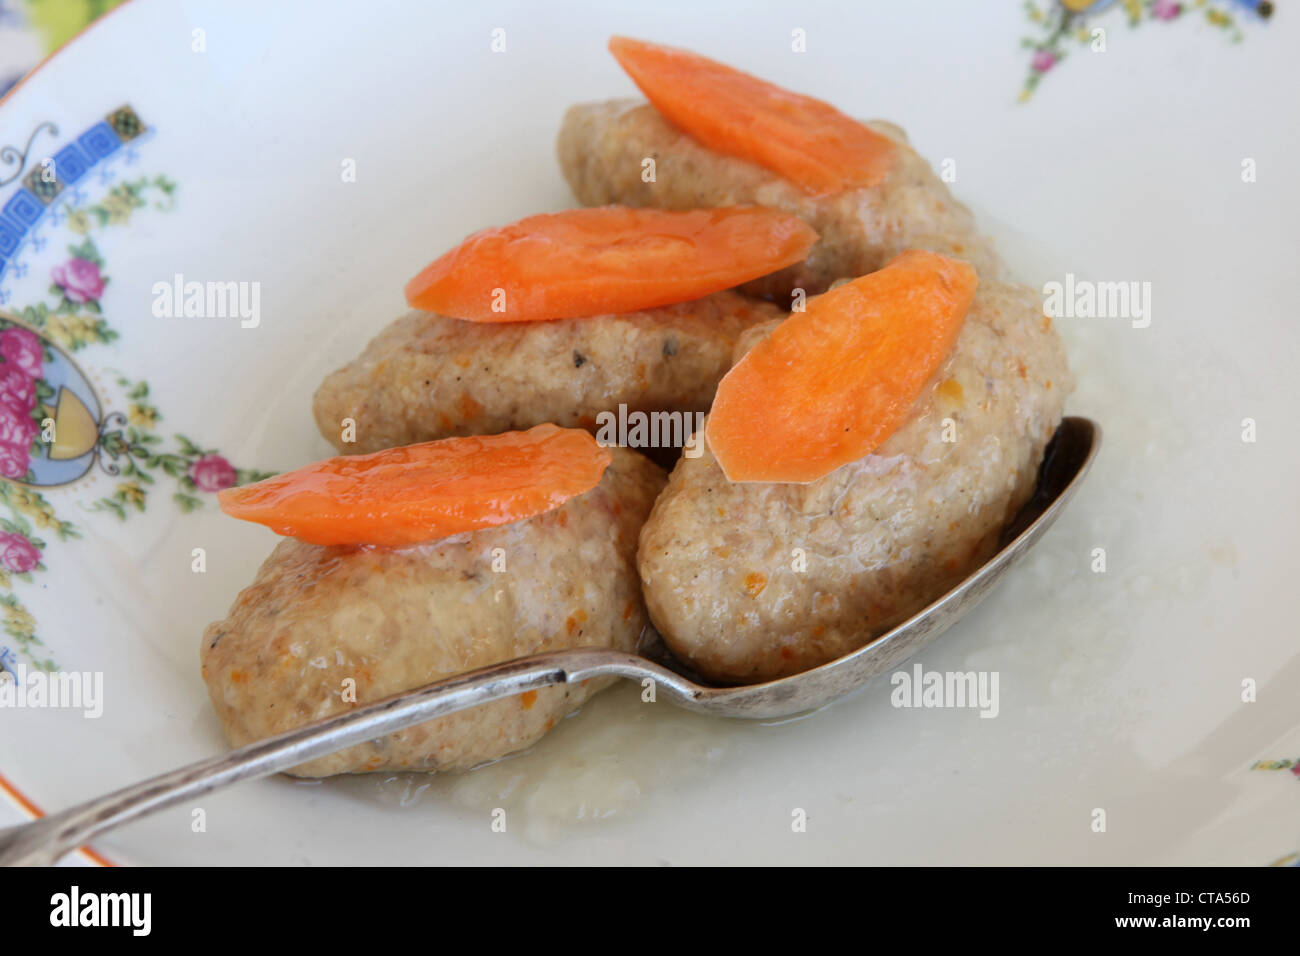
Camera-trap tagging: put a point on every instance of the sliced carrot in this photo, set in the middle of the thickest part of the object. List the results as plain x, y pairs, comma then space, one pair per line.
606, 260
807, 141
422, 492
830, 384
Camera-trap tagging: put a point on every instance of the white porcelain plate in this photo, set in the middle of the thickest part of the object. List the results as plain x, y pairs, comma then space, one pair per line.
1146, 652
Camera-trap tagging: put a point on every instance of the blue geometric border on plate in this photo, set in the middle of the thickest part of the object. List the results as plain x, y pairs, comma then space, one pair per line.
55, 178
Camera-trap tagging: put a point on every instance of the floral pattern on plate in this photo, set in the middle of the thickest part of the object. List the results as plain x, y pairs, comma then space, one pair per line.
1063, 24
54, 428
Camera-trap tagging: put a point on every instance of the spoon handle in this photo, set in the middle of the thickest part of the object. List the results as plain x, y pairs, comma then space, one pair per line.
43, 841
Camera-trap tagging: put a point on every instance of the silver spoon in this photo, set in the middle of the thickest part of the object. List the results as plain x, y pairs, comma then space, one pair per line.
1068, 458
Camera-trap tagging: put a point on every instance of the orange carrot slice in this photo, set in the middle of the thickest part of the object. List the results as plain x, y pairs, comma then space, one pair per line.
606, 260
807, 141
830, 384
403, 496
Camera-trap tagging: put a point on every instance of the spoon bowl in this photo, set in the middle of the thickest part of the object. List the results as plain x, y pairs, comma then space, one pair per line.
1067, 459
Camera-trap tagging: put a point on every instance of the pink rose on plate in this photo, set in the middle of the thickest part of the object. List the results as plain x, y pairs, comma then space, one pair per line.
17, 390
17, 553
79, 279
212, 473
16, 427
21, 347
1166, 9
14, 460
1043, 61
